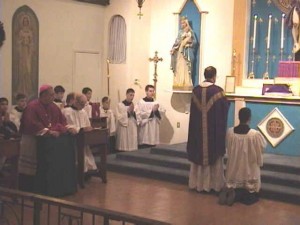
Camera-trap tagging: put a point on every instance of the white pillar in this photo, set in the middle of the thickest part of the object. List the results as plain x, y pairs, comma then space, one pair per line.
176, 24
202, 44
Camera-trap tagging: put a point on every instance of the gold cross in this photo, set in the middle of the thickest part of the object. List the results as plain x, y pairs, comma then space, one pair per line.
155, 59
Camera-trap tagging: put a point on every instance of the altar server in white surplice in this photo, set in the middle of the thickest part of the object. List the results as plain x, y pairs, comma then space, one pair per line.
106, 112
17, 111
245, 148
126, 124
78, 119
149, 114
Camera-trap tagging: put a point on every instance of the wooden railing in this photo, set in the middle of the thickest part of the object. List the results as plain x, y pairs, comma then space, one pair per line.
23, 208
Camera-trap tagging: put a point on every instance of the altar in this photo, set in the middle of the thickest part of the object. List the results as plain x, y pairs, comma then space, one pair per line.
275, 116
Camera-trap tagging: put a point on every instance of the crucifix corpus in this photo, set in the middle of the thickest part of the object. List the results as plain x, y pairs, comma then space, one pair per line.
155, 59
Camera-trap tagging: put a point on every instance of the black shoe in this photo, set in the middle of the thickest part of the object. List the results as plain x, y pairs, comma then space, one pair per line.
87, 177
230, 196
223, 196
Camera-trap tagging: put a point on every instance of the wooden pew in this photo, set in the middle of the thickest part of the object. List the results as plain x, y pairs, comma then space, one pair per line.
10, 149
96, 139
100, 122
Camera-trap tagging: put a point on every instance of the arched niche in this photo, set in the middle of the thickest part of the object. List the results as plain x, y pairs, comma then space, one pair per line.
25, 52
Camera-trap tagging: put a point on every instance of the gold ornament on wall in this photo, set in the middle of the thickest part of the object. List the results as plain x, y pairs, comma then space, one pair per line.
275, 127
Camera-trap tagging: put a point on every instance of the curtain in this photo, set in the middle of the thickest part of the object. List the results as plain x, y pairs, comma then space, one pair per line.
117, 40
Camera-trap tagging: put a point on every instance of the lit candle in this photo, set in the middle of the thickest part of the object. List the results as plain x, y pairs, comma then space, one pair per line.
254, 31
282, 30
269, 31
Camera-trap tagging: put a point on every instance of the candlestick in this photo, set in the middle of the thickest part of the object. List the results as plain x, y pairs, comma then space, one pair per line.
251, 75
107, 66
254, 31
282, 30
266, 74
269, 31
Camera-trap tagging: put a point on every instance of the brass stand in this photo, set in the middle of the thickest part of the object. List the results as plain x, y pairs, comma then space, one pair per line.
108, 76
233, 62
266, 74
251, 75
155, 59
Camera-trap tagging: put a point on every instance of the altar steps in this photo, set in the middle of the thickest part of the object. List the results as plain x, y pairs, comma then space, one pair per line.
280, 193
280, 174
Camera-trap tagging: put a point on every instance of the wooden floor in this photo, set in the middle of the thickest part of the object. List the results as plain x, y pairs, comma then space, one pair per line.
176, 204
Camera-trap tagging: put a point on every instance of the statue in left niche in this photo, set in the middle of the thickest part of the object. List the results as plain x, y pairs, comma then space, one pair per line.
2, 34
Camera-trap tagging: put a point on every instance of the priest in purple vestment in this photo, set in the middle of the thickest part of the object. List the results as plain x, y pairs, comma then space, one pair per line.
47, 153
207, 132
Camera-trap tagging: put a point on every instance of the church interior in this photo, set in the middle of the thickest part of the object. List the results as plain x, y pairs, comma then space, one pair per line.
72, 43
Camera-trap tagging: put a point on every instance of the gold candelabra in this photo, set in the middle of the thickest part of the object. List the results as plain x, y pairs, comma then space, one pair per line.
266, 74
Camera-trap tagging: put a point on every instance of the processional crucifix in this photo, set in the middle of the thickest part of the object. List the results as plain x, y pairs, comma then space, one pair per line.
155, 59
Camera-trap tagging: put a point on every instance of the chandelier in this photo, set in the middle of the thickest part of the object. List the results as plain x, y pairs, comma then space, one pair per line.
140, 5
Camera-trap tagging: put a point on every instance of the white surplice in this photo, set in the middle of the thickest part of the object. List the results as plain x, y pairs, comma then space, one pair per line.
59, 104
111, 121
79, 119
126, 129
148, 122
88, 109
245, 157
205, 178
15, 117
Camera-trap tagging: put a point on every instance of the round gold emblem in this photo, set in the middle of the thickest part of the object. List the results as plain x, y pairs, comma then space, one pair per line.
275, 127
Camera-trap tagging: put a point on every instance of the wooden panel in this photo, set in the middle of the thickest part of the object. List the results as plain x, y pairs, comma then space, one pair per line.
87, 72
98, 139
239, 37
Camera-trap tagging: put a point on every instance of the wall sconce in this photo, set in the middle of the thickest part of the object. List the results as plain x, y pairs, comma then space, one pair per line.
140, 5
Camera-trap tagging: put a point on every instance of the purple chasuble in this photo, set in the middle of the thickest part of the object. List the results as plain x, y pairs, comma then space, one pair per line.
207, 125
38, 116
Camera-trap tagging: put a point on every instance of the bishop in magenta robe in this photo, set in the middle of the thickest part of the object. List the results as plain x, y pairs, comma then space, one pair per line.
47, 153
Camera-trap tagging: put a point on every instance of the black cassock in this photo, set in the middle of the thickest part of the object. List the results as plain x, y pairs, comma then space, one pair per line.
56, 168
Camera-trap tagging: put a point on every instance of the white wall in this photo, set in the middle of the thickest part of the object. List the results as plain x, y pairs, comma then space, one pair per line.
66, 26
138, 41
